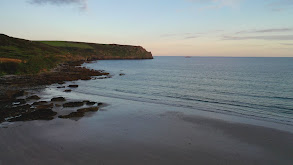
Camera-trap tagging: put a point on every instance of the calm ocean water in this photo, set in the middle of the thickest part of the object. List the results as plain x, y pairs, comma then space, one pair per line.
259, 88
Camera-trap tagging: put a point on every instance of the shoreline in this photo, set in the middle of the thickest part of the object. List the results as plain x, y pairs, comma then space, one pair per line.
132, 132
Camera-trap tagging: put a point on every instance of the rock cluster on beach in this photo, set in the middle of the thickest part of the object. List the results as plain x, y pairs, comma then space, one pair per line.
18, 105
65, 72
15, 109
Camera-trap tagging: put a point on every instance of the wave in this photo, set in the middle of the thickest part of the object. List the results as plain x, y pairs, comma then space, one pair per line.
259, 115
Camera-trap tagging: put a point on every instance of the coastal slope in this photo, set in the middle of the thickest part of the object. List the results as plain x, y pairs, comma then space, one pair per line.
20, 56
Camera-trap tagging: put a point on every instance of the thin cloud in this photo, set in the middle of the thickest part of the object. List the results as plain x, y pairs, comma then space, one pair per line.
216, 4
271, 37
287, 44
82, 3
280, 5
185, 35
265, 31
168, 35
191, 37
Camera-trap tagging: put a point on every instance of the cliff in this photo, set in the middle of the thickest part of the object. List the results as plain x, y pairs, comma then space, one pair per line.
20, 56
100, 51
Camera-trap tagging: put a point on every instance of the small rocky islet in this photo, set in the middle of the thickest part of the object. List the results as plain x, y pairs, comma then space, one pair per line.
14, 109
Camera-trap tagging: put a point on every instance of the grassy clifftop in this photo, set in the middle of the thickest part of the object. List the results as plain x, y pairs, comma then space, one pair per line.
100, 51
19, 56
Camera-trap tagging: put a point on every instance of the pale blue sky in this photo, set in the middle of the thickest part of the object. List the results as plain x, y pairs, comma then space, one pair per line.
165, 27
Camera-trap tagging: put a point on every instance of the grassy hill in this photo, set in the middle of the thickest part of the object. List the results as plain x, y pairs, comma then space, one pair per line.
19, 56
100, 51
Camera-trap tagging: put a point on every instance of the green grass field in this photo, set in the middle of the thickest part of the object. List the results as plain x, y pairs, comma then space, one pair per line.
67, 44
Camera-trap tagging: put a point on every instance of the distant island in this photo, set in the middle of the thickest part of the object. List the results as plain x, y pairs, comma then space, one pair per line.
20, 56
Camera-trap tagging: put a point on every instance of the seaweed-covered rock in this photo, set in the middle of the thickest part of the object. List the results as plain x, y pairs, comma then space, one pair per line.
67, 90
90, 109
40, 103
46, 106
10, 112
73, 104
73, 86
19, 101
72, 115
33, 97
58, 99
79, 113
39, 114
89, 102
19, 93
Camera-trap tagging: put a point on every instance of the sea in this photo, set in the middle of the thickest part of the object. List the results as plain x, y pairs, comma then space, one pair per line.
254, 88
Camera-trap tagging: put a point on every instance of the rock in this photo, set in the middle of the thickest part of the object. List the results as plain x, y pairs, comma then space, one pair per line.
59, 99
61, 87
48, 106
68, 90
121, 74
90, 109
19, 101
57, 105
39, 114
72, 115
73, 104
19, 93
11, 112
79, 113
60, 83
40, 103
99, 104
34, 97
86, 78
90, 102
73, 86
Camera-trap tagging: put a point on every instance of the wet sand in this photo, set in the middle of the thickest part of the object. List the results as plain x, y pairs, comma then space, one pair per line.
129, 132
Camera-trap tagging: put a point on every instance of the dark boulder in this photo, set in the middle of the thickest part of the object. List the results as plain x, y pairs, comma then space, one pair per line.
46, 106
59, 99
19, 101
90, 109
39, 114
34, 97
73, 104
72, 115
90, 102
79, 113
40, 103
73, 86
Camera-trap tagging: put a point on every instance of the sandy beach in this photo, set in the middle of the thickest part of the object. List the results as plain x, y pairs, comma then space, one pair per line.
128, 132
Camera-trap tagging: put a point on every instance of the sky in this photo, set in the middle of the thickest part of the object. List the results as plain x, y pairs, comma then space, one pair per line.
258, 28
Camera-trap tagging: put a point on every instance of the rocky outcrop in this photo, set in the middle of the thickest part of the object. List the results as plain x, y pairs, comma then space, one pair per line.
74, 104
79, 113
58, 99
